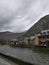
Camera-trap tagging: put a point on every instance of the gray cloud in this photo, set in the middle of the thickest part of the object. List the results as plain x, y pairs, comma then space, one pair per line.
20, 15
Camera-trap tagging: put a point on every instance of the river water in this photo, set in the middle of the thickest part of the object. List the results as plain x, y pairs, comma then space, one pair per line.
27, 55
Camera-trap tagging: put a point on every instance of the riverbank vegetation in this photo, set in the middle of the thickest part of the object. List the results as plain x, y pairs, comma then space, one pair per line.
2, 42
22, 45
42, 50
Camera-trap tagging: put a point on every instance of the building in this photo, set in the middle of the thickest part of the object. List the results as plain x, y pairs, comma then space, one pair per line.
42, 39
20, 40
26, 40
14, 41
32, 40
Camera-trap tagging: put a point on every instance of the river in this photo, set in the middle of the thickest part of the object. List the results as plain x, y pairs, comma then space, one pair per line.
26, 54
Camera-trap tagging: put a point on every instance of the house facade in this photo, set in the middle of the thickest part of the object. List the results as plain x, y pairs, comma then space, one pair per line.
42, 39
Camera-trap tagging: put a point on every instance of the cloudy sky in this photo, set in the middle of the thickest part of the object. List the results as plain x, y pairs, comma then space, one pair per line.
20, 15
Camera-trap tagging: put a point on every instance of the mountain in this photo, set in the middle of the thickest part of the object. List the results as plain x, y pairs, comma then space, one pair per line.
7, 35
42, 24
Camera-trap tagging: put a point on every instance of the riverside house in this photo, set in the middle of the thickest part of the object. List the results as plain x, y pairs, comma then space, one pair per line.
32, 40
29, 40
26, 40
42, 39
14, 41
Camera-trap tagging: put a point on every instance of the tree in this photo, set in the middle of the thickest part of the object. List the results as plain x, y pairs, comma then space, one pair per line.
2, 42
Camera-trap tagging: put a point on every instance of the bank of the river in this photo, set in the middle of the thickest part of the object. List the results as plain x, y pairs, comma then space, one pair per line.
41, 50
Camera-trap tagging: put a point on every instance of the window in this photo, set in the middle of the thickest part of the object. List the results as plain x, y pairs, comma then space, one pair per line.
48, 36
47, 32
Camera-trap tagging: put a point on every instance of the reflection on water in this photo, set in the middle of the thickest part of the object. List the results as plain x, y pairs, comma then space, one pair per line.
27, 55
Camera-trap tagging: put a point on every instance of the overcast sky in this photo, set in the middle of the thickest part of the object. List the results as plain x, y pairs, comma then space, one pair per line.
20, 15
